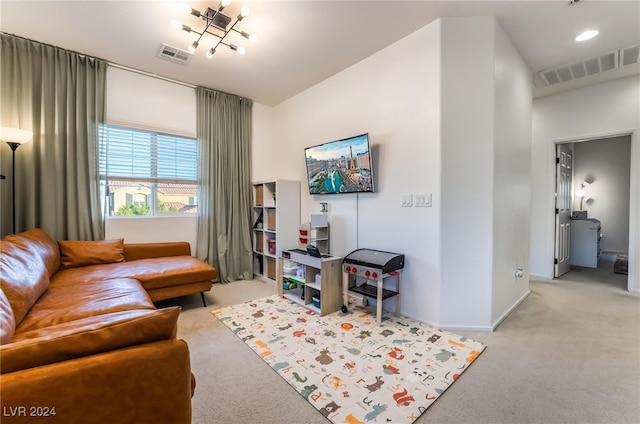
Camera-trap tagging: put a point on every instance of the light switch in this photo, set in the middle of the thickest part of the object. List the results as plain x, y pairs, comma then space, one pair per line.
423, 200
407, 200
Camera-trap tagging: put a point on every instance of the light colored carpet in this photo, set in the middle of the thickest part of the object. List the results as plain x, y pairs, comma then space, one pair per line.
570, 353
345, 365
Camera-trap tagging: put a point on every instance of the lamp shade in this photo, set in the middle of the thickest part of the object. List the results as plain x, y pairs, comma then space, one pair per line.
15, 135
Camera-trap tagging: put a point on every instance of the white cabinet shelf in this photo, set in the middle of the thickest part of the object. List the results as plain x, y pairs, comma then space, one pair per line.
585, 242
316, 233
275, 224
329, 291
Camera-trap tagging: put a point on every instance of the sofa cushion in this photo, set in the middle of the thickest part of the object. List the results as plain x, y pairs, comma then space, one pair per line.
88, 336
66, 303
75, 253
135, 251
7, 320
26, 262
152, 273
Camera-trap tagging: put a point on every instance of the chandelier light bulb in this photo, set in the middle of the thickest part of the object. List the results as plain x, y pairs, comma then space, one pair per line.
240, 50
224, 3
184, 7
244, 12
193, 46
249, 37
176, 24
210, 53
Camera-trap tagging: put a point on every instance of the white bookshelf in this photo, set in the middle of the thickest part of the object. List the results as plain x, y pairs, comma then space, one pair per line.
275, 223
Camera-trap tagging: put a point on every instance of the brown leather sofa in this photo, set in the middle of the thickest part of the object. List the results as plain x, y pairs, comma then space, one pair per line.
80, 338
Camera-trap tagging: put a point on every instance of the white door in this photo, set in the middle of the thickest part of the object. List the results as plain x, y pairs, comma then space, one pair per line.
564, 170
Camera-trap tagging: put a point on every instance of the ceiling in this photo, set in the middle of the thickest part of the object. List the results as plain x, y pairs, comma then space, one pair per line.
304, 42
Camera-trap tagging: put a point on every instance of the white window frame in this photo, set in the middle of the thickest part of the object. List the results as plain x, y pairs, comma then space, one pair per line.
187, 174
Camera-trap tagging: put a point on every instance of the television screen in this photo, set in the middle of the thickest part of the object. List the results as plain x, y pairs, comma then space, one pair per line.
341, 166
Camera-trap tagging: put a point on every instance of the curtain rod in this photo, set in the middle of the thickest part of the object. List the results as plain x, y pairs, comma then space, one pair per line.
126, 68
149, 74
109, 63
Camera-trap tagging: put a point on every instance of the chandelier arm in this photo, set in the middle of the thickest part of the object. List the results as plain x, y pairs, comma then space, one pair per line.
232, 28
210, 23
216, 35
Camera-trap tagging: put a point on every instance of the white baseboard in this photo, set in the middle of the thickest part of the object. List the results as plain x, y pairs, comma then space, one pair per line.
511, 309
616, 252
477, 328
539, 277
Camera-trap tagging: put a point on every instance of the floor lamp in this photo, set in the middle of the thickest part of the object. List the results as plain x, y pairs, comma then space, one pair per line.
14, 137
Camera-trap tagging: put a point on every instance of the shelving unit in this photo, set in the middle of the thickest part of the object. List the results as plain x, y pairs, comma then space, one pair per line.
329, 291
316, 233
275, 224
319, 232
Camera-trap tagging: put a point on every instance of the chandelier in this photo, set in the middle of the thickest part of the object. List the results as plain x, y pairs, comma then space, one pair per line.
217, 25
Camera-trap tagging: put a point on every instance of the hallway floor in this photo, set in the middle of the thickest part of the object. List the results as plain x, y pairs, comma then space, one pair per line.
603, 274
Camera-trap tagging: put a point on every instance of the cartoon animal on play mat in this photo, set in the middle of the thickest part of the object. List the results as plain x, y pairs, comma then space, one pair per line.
403, 398
329, 408
375, 386
444, 355
324, 357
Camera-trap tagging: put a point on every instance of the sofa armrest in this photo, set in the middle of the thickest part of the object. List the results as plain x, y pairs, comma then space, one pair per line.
135, 251
150, 383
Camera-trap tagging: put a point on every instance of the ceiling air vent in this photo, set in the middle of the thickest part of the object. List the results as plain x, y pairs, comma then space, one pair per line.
174, 54
593, 65
629, 56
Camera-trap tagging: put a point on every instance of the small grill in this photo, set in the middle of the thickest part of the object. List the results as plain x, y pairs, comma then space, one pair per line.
372, 266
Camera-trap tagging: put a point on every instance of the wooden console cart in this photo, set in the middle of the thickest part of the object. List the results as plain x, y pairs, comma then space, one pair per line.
299, 270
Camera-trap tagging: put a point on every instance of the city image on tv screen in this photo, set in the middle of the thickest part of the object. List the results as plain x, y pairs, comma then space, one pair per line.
341, 166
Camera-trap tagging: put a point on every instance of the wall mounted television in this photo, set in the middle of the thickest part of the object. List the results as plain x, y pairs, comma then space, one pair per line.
341, 166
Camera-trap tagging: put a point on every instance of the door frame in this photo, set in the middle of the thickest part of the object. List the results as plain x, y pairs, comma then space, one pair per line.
633, 277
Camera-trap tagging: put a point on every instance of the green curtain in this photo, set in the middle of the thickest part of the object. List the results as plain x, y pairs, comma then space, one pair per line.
223, 128
59, 95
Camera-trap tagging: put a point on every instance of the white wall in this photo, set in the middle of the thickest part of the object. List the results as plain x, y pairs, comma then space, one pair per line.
486, 136
150, 103
606, 109
467, 171
429, 105
511, 178
394, 96
147, 102
606, 162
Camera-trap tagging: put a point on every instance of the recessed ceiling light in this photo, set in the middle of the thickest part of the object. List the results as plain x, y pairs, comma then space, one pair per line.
587, 35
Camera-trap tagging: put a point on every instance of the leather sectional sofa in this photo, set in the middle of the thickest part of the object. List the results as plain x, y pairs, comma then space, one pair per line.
80, 338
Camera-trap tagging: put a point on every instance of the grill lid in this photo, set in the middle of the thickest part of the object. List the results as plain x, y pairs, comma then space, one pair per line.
385, 261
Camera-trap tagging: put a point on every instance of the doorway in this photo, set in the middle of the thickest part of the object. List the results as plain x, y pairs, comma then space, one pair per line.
592, 215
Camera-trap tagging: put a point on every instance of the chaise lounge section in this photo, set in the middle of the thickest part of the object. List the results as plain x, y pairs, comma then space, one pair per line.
81, 340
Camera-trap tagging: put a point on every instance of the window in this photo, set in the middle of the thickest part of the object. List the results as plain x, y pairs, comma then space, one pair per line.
147, 173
